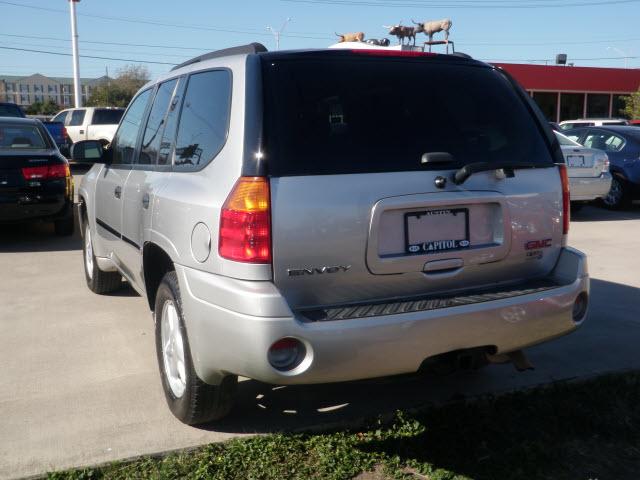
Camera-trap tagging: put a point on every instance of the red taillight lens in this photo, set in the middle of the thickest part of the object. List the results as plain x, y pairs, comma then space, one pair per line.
65, 135
46, 172
565, 199
245, 222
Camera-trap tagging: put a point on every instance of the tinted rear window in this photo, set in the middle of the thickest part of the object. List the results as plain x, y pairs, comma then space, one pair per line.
337, 116
10, 111
21, 137
107, 117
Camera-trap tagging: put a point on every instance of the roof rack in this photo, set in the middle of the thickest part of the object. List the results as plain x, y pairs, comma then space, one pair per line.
225, 52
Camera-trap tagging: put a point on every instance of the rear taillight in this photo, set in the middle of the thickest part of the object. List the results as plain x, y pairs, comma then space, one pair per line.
245, 223
46, 172
565, 199
65, 135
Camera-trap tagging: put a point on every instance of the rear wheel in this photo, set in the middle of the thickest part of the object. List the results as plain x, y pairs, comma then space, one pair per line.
97, 280
190, 399
619, 195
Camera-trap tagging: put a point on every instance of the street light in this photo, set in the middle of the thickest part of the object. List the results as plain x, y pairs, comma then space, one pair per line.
74, 49
626, 57
278, 33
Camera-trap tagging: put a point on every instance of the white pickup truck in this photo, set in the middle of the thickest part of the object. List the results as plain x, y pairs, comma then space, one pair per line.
90, 123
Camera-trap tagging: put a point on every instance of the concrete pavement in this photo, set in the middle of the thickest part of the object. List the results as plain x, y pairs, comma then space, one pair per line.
79, 383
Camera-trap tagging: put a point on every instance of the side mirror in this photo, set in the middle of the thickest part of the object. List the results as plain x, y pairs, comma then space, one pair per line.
88, 151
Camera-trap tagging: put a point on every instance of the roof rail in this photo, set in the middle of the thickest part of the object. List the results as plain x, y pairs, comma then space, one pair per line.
225, 52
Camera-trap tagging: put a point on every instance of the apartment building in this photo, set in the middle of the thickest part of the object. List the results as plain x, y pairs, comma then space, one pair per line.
38, 88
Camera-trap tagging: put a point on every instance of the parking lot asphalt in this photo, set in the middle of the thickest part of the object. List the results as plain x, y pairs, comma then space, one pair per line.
79, 383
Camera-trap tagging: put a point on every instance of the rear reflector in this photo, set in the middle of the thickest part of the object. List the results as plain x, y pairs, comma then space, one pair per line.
565, 199
392, 53
46, 172
245, 223
286, 354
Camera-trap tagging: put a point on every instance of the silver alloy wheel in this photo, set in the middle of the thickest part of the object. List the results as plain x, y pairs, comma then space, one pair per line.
614, 197
173, 349
88, 253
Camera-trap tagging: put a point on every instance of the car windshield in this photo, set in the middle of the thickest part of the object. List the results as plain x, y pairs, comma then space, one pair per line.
21, 137
565, 140
357, 115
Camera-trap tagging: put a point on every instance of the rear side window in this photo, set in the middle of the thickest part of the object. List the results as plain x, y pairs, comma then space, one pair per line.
10, 111
339, 116
61, 117
604, 141
155, 123
76, 118
106, 116
204, 120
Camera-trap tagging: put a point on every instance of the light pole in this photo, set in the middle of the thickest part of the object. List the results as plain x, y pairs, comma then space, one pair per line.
278, 33
74, 47
626, 57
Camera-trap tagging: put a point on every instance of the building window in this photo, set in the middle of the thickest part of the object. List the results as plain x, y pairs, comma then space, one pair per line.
597, 105
618, 106
52, 88
38, 98
24, 99
11, 87
571, 106
548, 103
24, 88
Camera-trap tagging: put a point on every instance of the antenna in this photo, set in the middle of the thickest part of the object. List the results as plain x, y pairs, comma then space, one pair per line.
278, 33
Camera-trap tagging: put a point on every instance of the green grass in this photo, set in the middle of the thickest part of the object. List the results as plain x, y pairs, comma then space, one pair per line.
586, 430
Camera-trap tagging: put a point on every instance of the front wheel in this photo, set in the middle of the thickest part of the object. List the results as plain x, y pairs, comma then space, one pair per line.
97, 280
619, 195
191, 400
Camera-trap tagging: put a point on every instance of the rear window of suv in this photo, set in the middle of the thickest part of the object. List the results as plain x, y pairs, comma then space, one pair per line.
107, 116
355, 115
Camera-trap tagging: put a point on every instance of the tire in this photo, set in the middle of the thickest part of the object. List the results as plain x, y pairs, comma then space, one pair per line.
64, 227
619, 195
576, 207
190, 399
98, 281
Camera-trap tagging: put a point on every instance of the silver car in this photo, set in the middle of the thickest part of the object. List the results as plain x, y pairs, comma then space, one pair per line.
589, 176
322, 216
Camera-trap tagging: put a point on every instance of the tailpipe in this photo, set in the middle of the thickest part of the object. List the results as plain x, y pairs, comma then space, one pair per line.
517, 358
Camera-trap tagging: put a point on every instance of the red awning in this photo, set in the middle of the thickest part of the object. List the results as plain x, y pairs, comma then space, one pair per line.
576, 79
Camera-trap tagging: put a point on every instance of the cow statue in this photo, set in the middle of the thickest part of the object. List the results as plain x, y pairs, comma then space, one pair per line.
350, 37
434, 26
402, 32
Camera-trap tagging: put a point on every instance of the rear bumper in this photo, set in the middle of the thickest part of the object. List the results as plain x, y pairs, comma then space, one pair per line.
231, 324
589, 188
15, 210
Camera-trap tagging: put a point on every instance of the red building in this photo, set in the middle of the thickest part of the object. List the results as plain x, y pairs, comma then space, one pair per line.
565, 93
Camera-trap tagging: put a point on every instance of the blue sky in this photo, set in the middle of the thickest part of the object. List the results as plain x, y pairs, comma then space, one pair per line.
609, 29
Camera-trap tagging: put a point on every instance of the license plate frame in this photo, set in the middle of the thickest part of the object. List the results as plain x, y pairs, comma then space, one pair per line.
431, 247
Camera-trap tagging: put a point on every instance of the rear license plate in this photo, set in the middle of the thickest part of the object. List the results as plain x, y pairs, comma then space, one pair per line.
578, 161
435, 231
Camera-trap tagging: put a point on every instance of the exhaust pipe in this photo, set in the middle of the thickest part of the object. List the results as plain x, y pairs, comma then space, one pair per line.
517, 358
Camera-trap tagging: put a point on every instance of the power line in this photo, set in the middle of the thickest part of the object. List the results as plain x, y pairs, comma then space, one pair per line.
21, 44
87, 56
474, 5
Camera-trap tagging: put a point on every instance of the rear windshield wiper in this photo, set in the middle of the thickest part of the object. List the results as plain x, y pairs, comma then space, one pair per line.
465, 172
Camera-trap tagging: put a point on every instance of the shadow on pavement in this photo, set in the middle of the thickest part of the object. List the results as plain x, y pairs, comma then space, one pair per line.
37, 237
607, 342
594, 213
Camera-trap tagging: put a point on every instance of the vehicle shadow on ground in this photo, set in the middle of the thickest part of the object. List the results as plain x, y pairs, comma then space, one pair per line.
595, 213
37, 237
607, 342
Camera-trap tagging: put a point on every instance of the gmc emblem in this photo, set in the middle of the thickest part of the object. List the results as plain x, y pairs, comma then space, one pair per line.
537, 244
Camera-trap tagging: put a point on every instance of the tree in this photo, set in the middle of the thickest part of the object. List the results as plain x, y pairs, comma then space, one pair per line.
48, 107
631, 106
119, 91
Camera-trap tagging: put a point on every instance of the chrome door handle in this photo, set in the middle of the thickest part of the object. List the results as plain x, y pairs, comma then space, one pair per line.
118, 191
145, 200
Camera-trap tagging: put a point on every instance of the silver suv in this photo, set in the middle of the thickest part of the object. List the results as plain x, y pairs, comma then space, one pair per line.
330, 215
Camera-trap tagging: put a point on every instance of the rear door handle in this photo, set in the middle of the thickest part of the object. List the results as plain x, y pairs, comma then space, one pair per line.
118, 191
145, 201
81, 132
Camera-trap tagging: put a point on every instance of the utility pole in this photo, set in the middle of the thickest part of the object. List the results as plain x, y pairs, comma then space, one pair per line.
624, 54
278, 33
77, 93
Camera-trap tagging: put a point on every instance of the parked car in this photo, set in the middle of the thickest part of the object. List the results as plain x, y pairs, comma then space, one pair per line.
56, 129
588, 169
90, 123
304, 217
622, 145
35, 181
592, 122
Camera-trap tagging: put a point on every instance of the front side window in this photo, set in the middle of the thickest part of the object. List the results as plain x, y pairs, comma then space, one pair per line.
127, 134
76, 118
155, 123
204, 120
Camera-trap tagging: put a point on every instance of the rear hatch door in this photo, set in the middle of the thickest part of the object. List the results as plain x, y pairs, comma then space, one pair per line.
364, 206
